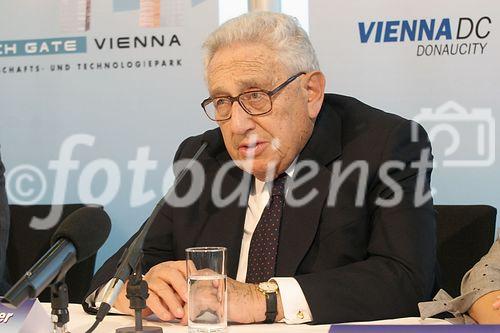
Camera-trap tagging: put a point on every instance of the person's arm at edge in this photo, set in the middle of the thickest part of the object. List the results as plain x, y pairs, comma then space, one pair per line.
483, 310
486, 309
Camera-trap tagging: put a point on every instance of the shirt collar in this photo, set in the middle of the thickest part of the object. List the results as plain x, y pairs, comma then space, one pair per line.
259, 184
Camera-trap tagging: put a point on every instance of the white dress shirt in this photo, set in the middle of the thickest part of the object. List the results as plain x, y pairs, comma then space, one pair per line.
295, 307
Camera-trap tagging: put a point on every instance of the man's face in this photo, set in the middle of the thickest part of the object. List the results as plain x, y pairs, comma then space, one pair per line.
272, 140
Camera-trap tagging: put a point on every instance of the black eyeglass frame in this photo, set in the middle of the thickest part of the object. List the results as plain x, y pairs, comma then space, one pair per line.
232, 99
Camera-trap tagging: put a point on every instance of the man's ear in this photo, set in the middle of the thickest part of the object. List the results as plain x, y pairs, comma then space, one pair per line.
315, 85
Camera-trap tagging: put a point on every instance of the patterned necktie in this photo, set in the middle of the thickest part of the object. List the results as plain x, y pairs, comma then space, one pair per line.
264, 243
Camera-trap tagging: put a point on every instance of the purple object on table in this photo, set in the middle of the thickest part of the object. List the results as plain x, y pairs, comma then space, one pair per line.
414, 328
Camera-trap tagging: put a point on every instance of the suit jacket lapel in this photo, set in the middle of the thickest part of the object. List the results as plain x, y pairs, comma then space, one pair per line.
299, 224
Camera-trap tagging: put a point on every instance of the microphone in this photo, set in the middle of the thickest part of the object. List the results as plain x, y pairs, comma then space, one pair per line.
132, 255
78, 237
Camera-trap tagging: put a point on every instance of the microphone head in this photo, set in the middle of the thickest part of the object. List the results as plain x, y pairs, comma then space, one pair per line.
86, 228
214, 140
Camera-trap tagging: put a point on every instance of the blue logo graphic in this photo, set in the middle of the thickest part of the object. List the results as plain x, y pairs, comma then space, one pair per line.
45, 46
423, 30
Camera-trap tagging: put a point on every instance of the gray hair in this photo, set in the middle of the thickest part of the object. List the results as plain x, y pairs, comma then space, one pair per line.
280, 32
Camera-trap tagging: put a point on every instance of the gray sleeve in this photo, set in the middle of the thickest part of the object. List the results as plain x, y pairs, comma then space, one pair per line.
4, 230
482, 279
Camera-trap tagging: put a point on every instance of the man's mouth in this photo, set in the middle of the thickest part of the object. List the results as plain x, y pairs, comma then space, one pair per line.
251, 149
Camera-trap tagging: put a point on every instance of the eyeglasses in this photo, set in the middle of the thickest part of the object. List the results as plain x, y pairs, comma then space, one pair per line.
255, 102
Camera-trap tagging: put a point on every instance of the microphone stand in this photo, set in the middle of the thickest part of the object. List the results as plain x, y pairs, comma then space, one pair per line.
130, 266
59, 303
59, 300
137, 293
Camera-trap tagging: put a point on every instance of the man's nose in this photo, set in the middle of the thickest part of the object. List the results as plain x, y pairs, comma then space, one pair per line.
241, 122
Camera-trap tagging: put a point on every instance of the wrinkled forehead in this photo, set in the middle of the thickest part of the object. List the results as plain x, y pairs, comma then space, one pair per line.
243, 67
233, 83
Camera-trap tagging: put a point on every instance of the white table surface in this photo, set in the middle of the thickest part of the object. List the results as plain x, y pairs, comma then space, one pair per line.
81, 321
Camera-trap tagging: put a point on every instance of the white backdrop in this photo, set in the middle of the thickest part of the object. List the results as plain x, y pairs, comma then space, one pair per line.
392, 76
117, 113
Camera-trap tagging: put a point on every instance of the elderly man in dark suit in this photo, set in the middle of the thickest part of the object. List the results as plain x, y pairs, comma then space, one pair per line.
4, 231
330, 207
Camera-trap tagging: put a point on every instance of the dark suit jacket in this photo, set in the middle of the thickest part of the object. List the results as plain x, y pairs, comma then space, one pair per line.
352, 263
4, 231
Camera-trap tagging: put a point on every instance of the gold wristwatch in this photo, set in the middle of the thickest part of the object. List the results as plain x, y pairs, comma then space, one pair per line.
270, 290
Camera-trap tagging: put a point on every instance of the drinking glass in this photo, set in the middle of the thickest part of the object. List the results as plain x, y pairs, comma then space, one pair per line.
207, 293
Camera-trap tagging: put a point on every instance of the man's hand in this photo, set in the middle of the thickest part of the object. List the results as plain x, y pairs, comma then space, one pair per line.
246, 304
207, 296
167, 283
167, 292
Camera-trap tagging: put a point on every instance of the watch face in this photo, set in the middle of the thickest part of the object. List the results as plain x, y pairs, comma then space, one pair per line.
268, 286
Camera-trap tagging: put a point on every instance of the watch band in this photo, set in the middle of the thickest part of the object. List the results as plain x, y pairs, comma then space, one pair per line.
271, 307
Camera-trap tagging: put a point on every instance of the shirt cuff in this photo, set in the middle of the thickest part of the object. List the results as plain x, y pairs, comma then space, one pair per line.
295, 307
94, 299
91, 299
